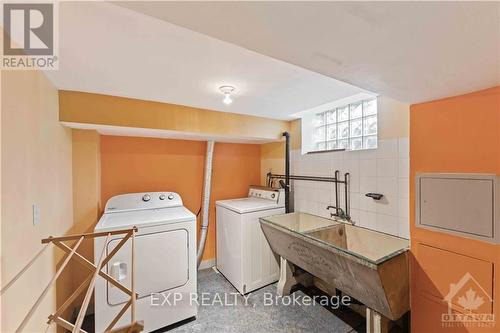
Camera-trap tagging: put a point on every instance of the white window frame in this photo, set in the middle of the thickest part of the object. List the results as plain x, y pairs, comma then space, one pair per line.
310, 125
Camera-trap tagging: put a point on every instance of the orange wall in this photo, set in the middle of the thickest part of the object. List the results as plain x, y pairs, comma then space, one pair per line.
457, 134
130, 164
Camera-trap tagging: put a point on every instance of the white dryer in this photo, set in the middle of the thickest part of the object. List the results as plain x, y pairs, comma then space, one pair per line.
244, 256
165, 252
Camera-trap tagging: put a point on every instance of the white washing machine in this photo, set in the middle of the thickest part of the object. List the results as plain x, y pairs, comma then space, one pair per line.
243, 253
165, 252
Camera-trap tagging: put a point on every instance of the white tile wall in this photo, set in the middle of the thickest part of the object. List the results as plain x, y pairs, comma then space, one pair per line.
383, 170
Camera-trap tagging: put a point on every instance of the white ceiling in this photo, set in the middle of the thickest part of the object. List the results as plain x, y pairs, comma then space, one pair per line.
112, 50
409, 51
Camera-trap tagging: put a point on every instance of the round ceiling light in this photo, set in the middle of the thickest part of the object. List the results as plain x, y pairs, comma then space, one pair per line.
227, 90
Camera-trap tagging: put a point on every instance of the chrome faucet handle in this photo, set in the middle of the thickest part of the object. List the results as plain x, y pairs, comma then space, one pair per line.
339, 212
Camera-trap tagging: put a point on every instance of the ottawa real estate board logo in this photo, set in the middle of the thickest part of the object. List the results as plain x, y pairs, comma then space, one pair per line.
469, 305
30, 39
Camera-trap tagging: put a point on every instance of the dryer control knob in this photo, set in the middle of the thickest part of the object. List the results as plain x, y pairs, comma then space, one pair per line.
162, 196
273, 195
170, 197
146, 197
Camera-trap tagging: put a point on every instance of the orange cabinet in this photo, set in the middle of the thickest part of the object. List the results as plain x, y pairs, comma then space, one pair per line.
459, 279
432, 310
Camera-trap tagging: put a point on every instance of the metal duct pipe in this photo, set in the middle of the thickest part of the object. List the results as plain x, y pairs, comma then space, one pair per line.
287, 171
207, 183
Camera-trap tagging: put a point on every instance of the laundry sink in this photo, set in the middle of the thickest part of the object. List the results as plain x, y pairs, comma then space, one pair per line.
368, 265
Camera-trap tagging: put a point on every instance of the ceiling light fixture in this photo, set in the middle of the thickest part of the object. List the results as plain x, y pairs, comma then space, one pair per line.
227, 90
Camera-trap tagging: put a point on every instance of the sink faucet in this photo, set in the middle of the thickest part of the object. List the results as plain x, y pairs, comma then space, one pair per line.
339, 212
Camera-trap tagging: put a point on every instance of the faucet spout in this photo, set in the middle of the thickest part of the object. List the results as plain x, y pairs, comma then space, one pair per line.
339, 212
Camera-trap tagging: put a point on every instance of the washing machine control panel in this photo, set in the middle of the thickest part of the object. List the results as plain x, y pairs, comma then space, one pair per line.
266, 193
138, 201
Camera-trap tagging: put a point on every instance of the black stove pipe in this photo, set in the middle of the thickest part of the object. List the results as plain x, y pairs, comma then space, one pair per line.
287, 171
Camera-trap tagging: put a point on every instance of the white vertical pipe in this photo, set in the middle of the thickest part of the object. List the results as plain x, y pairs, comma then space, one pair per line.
206, 200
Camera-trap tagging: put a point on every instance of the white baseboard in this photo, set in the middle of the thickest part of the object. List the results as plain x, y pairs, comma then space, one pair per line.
207, 264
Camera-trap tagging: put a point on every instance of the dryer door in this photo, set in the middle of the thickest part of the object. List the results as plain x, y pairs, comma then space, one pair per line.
161, 264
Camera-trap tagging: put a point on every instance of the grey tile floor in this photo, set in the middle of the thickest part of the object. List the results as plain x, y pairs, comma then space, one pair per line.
255, 316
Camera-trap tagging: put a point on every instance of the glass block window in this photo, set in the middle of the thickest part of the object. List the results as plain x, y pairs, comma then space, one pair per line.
350, 127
